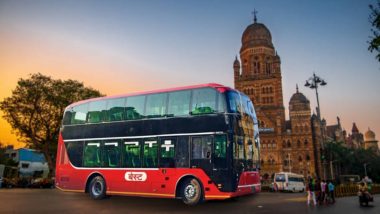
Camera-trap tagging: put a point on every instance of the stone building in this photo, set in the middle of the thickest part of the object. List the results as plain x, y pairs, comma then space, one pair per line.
370, 141
286, 145
355, 139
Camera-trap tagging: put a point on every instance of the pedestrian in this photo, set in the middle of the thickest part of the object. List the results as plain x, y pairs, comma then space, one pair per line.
311, 192
323, 192
331, 188
318, 190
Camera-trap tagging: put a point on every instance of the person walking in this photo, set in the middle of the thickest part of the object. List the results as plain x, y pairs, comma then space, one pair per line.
323, 192
311, 192
331, 188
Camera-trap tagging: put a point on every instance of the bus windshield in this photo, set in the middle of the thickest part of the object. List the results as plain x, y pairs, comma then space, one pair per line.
246, 140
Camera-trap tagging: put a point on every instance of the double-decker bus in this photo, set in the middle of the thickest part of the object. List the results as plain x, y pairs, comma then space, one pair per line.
194, 143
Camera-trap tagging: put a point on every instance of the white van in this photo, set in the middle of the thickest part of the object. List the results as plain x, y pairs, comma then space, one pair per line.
287, 181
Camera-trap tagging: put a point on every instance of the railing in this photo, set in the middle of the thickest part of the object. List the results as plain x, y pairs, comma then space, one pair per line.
341, 190
352, 189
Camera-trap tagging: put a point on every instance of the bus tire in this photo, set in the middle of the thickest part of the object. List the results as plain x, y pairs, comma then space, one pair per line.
97, 188
191, 192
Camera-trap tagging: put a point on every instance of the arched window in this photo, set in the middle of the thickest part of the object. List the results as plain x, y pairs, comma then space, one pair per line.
270, 90
306, 142
298, 143
300, 158
288, 144
307, 157
283, 144
262, 162
274, 144
268, 67
301, 129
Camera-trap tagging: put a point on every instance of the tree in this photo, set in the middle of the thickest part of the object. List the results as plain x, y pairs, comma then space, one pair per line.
35, 109
351, 161
374, 19
4, 159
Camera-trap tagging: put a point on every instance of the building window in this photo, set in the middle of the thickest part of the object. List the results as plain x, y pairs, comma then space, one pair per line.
307, 157
306, 142
298, 143
24, 165
299, 158
288, 144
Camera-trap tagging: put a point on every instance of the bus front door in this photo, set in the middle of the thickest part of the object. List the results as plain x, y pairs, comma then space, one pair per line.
201, 154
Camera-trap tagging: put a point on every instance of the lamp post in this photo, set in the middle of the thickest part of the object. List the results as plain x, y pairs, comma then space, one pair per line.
314, 82
365, 169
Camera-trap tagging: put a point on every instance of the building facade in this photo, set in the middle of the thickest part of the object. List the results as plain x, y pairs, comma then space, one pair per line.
286, 145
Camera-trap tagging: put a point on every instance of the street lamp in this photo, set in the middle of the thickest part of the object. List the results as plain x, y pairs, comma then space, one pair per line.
365, 169
314, 82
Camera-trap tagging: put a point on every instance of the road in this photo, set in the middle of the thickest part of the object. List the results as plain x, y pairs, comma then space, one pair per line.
56, 201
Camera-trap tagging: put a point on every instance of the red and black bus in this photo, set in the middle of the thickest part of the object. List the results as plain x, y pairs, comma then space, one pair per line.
194, 143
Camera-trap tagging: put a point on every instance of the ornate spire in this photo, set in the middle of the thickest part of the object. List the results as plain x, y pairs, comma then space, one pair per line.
254, 13
297, 88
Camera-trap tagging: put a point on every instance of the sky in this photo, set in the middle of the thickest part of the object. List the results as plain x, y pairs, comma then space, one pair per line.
127, 46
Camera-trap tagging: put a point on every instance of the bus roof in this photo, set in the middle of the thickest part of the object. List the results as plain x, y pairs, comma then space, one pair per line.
219, 87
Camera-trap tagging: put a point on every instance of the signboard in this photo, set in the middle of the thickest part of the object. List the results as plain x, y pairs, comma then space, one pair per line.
266, 130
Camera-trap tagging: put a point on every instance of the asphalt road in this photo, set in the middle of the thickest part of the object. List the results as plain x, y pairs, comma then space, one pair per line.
56, 201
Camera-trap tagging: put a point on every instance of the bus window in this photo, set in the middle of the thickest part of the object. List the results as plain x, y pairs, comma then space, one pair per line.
167, 152
111, 154
92, 154
179, 103
220, 147
132, 154
75, 153
156, 105
202, 147
203, 101
79, 114
221, 103
182, 152
96, 111
150, 153
135, 107
115, 109
234, 101
67, 117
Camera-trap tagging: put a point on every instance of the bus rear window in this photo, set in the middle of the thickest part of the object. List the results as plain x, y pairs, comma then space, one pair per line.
280, 178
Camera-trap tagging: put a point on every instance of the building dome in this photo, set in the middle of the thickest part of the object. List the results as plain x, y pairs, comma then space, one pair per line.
370, 135
298, 102
255, 35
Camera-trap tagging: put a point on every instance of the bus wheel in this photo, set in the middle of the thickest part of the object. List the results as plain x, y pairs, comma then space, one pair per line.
97, 188
191, 192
